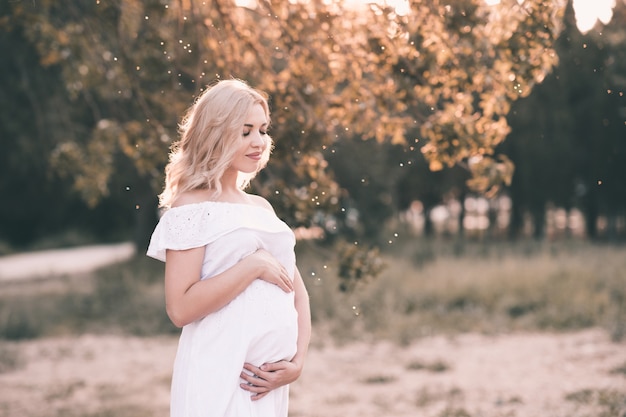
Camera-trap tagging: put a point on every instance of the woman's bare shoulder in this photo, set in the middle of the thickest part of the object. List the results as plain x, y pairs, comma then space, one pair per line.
257, 200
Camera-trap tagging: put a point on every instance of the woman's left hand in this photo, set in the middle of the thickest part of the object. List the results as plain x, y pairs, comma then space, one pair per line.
268, 376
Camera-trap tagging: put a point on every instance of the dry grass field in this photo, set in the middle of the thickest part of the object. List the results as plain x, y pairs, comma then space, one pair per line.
444, 331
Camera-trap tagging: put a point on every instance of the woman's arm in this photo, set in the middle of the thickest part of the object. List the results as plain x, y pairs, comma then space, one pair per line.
188, 299
270, 376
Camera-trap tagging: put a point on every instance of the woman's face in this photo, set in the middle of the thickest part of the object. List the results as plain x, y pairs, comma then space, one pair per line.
255, 141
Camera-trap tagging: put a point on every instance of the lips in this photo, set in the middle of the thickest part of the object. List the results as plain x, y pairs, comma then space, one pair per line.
255, 155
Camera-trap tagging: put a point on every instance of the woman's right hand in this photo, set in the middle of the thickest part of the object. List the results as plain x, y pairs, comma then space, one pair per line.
272, 271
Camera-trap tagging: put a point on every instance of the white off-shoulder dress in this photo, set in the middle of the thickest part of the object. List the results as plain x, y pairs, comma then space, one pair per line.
260, 325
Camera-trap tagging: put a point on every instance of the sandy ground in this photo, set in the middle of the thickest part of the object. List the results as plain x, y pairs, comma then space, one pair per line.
516, 375
512, 375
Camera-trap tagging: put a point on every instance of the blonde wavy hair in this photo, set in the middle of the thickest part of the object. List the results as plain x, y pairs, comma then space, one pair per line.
210, 134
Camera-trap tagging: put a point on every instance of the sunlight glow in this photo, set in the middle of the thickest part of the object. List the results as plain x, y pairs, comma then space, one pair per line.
588, 12
401, 7
249, 4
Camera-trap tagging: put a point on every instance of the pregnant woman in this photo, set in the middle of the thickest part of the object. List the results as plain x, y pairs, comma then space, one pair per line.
231, 280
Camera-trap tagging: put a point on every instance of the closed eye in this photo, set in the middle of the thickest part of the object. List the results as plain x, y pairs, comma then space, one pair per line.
249, 130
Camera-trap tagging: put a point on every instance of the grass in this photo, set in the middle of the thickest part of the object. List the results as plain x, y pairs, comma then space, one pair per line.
427, 287
435, 366
126, 298
601, 402
440, 287
620, 370
10, 358
379, 379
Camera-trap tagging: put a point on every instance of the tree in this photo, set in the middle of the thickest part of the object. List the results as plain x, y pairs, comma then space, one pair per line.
370, 171
38, 114
567, 138
461, 67
600, 110
133, 66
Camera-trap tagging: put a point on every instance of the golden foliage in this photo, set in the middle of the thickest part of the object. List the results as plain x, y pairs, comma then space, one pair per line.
449, 69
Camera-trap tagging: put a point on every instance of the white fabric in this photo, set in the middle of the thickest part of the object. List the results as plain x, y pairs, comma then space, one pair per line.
258, 326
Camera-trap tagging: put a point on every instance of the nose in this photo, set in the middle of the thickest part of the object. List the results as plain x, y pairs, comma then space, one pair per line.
258, 140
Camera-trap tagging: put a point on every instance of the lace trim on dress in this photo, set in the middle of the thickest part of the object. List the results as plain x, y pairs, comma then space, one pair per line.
198, 224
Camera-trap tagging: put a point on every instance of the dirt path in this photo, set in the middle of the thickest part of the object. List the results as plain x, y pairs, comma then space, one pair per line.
514, 375
62, 261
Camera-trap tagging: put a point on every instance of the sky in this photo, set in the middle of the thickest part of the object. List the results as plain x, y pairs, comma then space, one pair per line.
587, 11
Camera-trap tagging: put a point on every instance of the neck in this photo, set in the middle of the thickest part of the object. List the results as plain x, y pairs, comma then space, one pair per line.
229, 182
230, 189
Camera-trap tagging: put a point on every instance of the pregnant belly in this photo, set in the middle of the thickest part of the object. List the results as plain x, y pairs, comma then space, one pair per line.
271, 321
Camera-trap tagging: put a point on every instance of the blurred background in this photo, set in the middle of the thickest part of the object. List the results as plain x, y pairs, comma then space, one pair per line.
491, 120
448, 166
